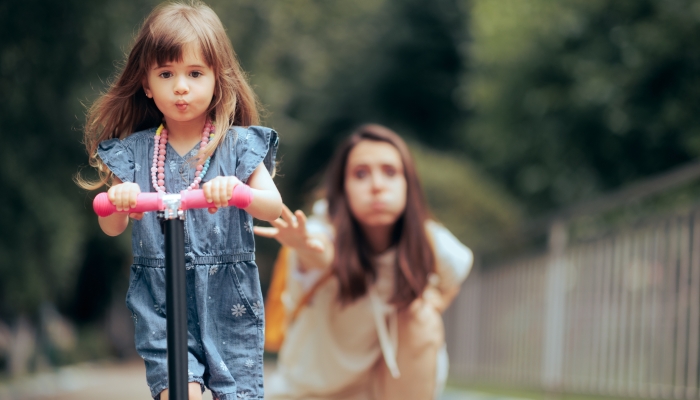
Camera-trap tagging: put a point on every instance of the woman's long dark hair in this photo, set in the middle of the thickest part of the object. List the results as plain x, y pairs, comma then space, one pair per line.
352, 263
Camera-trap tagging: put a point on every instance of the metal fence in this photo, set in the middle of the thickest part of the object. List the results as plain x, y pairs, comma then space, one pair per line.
617, 315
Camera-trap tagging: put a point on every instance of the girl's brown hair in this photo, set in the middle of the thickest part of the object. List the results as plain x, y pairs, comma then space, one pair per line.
352, 264
125, 109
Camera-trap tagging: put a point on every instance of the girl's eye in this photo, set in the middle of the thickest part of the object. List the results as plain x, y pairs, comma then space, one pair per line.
195, 74
390, 171
165, 75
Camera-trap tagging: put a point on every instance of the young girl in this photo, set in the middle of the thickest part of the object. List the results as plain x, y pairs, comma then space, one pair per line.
367, 282
183, 89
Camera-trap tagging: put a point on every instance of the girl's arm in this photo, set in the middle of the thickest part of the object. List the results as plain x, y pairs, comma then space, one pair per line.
267, 202
313, 251
123, 196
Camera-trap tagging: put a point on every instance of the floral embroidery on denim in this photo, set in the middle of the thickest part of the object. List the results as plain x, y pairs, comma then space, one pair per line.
173, 166
249, 363
213, 270
137, 167
223, 366
243, 395
257, 307
238, 310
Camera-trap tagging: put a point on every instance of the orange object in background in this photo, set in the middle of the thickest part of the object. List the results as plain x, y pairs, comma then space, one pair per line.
275, 314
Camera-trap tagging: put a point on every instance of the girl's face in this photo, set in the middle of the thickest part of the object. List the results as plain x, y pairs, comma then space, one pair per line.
182, 90
375, 184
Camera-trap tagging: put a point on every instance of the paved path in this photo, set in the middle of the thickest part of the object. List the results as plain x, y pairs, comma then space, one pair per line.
119, 382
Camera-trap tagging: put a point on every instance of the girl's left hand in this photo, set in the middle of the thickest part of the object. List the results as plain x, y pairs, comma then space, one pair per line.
219, 191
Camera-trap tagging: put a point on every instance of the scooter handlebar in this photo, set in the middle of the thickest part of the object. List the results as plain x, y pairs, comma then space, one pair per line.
241, 197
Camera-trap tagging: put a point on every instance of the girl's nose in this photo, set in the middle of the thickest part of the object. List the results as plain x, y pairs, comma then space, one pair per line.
181, 86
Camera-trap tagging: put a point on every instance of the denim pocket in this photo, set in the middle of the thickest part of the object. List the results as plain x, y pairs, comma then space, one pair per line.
247, 283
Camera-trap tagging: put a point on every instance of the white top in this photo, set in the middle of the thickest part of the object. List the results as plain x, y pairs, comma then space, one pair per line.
330, 349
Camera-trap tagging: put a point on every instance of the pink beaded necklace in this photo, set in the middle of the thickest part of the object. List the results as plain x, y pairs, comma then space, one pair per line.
158, 167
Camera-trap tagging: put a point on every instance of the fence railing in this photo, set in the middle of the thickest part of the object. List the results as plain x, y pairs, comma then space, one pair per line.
616, 315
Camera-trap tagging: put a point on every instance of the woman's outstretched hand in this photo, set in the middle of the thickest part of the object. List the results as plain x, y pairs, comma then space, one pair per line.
290, 231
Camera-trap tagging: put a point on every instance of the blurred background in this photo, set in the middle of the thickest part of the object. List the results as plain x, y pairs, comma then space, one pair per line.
559, 140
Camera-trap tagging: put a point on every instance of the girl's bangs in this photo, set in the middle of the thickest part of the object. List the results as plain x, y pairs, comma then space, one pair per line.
168, 42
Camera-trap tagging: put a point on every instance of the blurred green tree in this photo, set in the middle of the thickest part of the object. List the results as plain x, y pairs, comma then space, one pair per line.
573, 98
49, 54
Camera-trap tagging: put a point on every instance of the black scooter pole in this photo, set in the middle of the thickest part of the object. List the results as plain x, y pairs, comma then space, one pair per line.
172, 222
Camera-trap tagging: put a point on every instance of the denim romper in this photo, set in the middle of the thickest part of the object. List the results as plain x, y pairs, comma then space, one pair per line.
225, 319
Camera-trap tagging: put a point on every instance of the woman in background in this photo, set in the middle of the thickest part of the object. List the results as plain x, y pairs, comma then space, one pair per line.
367, 282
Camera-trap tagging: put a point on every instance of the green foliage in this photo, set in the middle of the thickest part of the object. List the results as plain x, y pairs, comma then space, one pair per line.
574, 98
50, 56
465, 201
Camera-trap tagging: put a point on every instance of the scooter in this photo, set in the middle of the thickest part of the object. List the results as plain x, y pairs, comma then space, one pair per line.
170, 209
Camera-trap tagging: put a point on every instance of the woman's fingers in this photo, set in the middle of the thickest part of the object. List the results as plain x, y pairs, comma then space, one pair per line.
265, 232
136, 216
301, 220
287, 216
315, 245
279, 223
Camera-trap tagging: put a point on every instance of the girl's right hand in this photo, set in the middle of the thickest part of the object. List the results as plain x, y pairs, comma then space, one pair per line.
290, 231
123, 196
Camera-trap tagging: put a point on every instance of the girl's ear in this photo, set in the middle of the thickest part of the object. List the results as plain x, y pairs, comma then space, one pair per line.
146, 89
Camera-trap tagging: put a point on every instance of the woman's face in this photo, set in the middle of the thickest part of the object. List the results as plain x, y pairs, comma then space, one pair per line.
375, 183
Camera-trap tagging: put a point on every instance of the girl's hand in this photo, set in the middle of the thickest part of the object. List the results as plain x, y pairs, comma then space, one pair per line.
290, 230
219, 191
123, 196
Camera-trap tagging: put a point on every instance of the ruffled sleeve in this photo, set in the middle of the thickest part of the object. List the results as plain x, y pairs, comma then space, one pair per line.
118, 158
453, 259
255, 145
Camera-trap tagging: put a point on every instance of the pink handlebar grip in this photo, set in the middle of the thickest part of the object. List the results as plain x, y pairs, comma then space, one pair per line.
241, 197
144, 202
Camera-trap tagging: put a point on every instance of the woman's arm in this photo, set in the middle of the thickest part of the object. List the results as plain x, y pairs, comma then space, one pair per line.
453, 262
